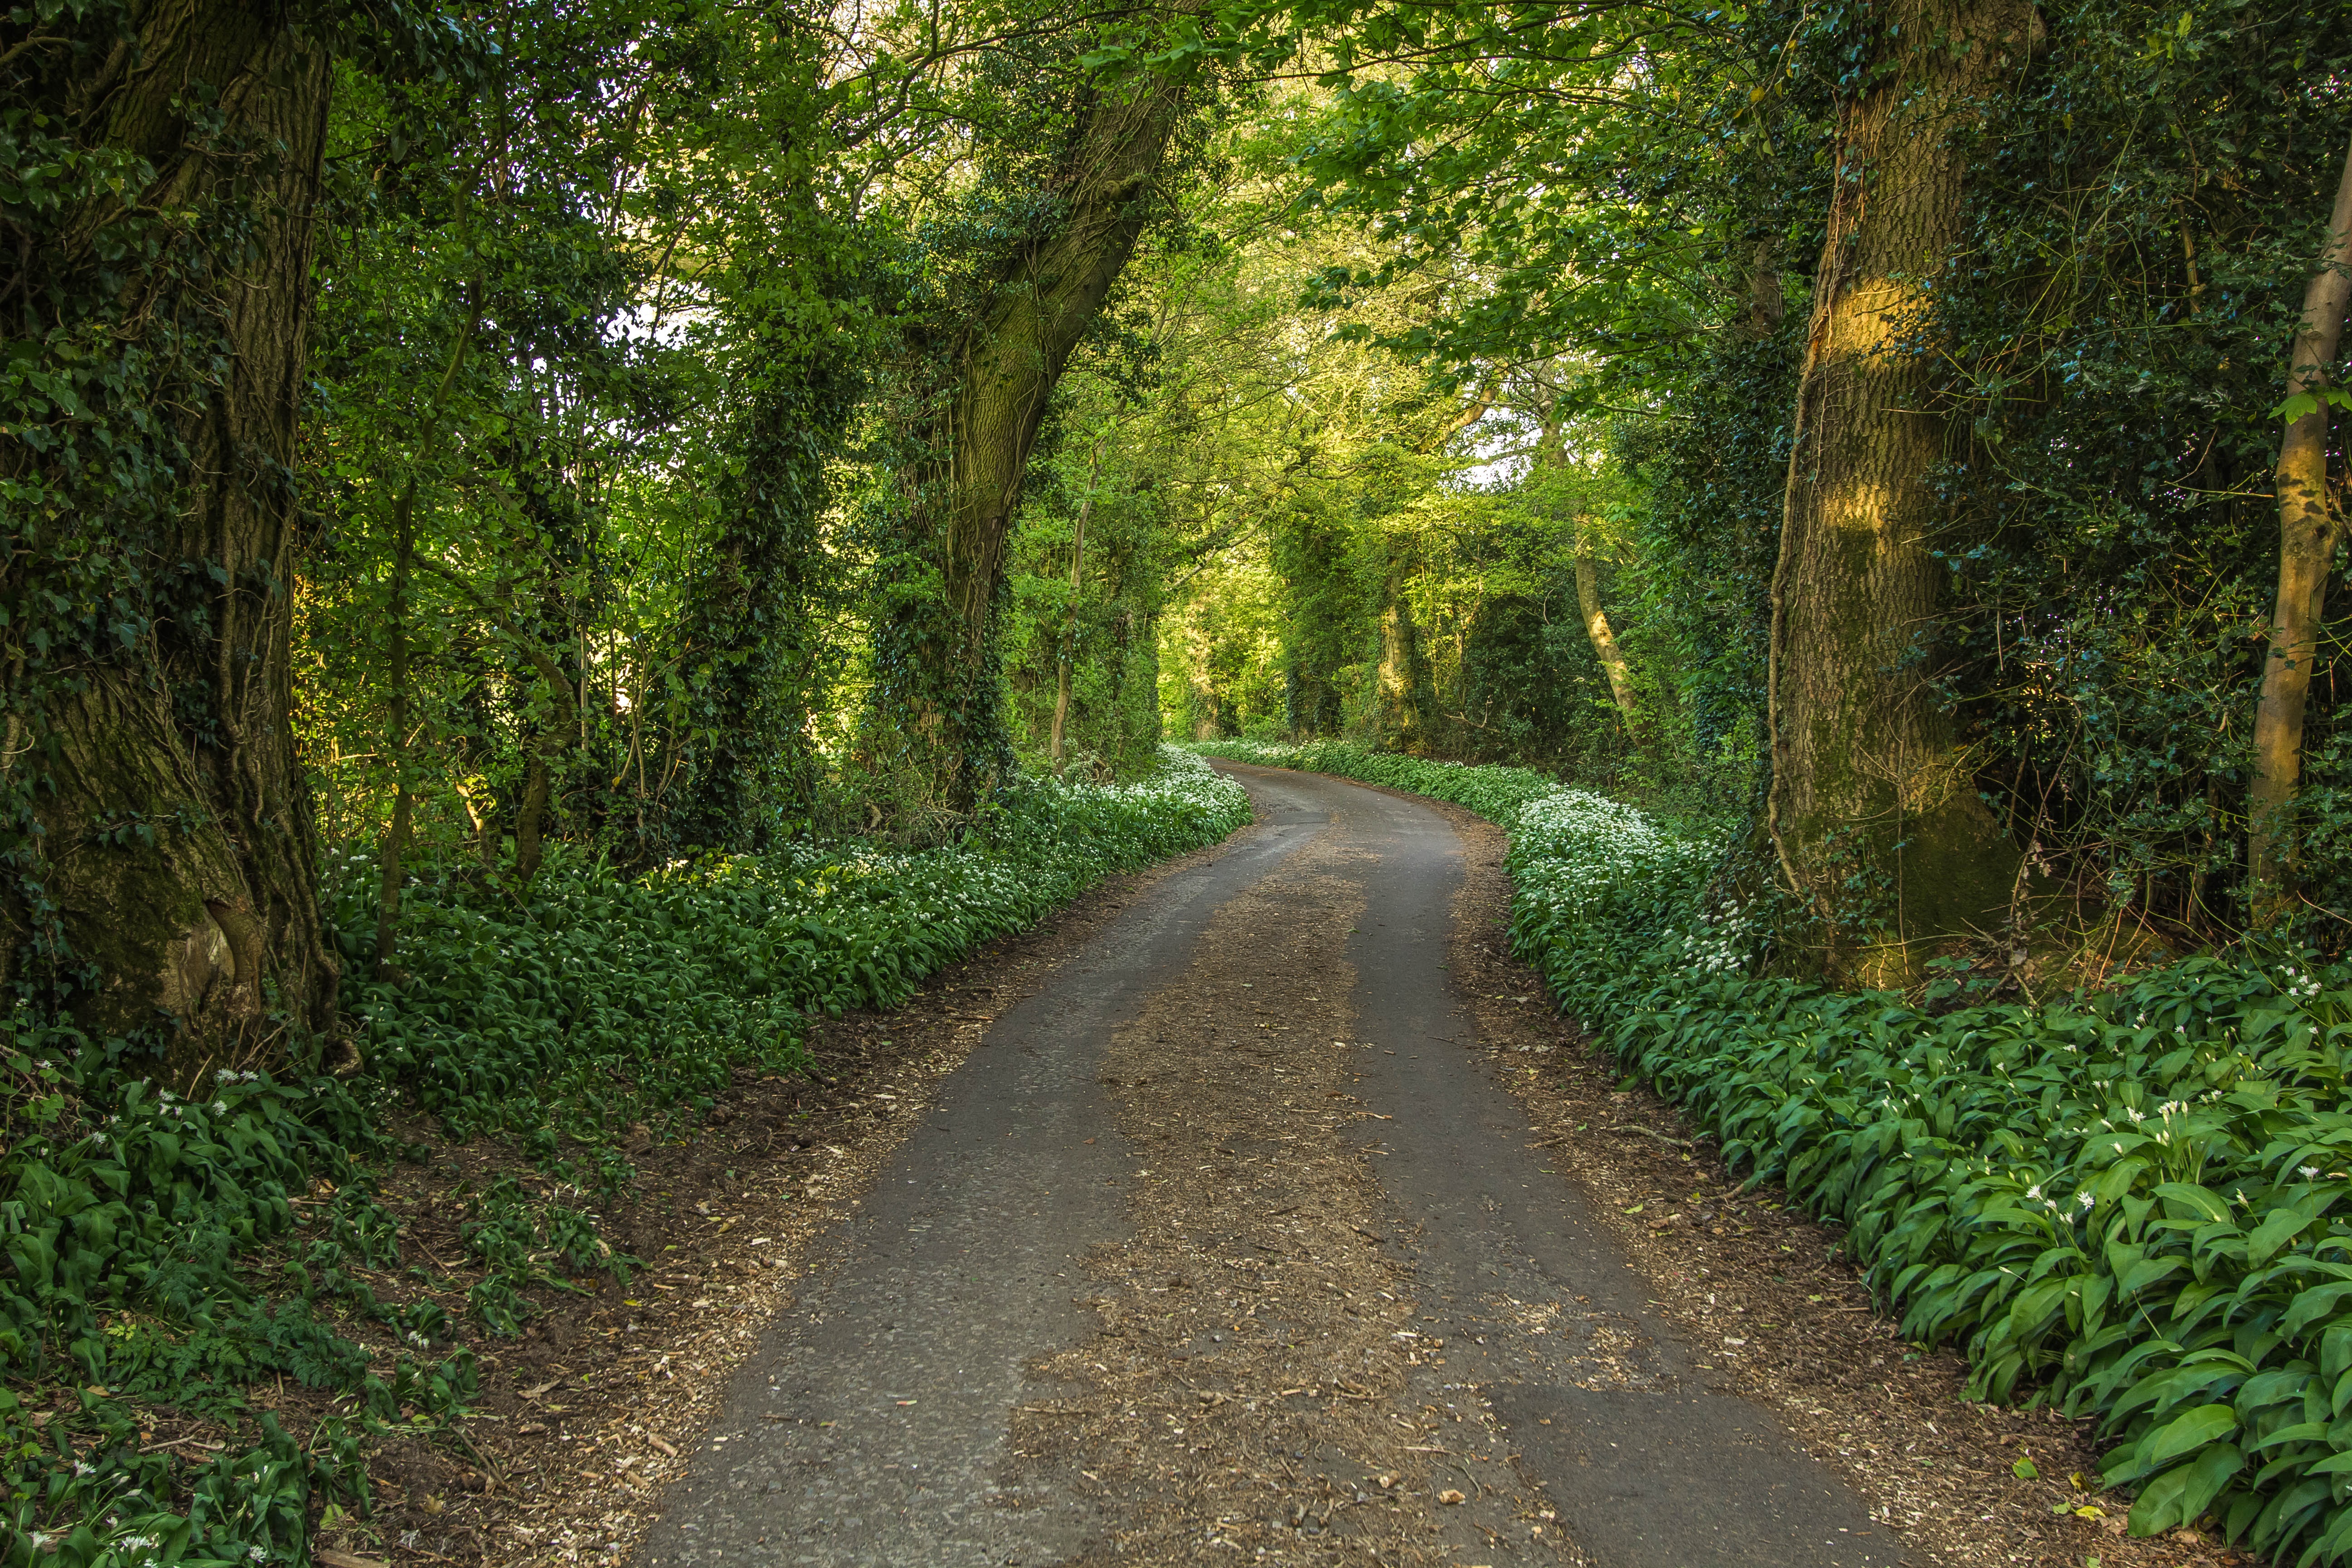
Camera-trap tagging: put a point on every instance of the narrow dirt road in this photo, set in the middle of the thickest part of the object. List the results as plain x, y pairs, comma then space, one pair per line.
1223, 1248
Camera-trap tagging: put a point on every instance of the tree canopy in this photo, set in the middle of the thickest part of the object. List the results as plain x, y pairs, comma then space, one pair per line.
698, 427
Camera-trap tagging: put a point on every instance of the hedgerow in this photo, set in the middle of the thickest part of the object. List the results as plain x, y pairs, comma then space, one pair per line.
166, 1246
2127, 1202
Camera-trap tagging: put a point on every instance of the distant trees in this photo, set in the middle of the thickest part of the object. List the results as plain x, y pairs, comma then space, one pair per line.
1960, 560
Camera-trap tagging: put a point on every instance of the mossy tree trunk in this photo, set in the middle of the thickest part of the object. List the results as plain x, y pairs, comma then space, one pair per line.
174, 853
1069, 651
1399, 710
1873, 810
936, 673
2309, 526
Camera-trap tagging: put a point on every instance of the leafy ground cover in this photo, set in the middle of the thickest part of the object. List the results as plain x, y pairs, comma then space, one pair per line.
176, 1256
2128, 1201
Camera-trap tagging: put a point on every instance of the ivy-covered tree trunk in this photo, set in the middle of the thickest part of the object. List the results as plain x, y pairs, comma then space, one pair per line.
1408, 687
162, 842
936, 670
751, 642
1873, 809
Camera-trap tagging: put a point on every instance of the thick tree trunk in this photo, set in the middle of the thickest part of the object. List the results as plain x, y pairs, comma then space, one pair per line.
2308, 528
176, 844
1408, 687
1873, 810
940, 682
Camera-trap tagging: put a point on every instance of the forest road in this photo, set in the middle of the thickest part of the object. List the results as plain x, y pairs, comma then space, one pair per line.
1223, 1248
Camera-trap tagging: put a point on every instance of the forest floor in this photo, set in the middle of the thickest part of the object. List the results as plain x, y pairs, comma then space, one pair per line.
1256, 1209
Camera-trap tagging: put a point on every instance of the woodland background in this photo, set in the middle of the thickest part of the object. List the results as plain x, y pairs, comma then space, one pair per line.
660, 428
542, 544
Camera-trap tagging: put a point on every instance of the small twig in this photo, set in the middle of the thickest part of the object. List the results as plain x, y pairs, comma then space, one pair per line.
1630, 1131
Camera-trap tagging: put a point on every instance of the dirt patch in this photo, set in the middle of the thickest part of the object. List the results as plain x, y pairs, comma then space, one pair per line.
1794, 1326
1252, 1394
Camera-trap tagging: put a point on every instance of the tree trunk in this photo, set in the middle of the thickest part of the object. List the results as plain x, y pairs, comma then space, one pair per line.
2308, 527
941, 678
1873, 810
394, 849
1604, 640
174, 845
752, 641
1551, 453
1408, 691
1070, 627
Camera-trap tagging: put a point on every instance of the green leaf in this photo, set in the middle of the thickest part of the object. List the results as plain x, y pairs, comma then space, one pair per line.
2278, 1228
2199, 1426
2303, 405
2178, 1495
2200, 1200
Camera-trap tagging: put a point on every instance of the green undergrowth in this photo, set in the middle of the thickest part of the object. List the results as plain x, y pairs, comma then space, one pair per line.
2128, 1202
168, 1251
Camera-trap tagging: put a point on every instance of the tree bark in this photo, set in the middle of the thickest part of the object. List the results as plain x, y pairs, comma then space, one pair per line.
1874, 811
1551, 452
1408, 687
1604, 640
2308, 529
1042, 301
206, 917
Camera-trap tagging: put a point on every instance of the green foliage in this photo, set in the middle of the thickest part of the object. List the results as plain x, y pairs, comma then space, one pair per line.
2142, 223
2141, 211
130, 1219
169, 1249
609, 1000
2129, 1202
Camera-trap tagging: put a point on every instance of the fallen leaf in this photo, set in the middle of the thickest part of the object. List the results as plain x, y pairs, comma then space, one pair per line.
1449, 1495
2024, 1469
542, 1388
